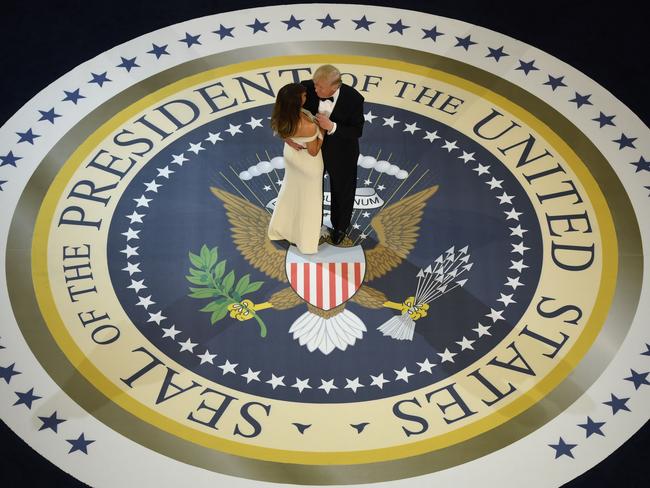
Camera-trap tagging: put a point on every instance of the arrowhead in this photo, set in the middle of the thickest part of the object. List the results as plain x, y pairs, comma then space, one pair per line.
468, 267
360, 426
428, 269
302, 427
453, 273
420, 274
464, 250
439, 260
461, 283
443, 288
450, 250
465, 258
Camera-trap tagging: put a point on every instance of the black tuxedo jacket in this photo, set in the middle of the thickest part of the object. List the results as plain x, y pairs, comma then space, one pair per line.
341, 149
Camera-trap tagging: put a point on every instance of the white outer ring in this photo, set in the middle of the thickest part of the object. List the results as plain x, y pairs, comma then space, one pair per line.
519, 463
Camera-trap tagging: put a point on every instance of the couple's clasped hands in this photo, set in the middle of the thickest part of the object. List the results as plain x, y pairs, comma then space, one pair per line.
323, 122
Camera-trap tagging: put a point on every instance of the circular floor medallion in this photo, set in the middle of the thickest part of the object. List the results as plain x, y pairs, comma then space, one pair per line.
486, 308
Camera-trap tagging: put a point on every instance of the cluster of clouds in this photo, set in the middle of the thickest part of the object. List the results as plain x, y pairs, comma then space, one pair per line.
261, 168
382, 166
366, 162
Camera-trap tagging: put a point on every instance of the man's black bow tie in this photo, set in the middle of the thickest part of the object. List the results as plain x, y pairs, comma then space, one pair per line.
331, 99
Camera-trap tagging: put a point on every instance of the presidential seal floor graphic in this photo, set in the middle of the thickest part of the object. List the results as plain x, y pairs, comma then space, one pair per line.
487, 303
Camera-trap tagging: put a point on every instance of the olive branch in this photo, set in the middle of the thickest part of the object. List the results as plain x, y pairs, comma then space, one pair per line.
208, 273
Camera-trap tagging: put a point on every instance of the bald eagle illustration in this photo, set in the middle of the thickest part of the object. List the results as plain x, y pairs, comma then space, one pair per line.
397, 228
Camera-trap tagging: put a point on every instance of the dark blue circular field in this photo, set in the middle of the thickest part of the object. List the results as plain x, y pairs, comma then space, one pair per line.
183, 215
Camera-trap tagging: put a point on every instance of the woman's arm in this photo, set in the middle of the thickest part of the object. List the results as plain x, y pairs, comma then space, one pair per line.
314, 146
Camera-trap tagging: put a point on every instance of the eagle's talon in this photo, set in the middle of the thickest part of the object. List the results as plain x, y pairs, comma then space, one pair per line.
409, 307
246, 309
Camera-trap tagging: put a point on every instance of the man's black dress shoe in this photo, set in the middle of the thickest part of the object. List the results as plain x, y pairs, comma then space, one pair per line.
337, 236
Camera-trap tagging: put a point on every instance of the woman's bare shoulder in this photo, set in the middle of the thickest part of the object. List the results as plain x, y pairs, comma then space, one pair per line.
306, 126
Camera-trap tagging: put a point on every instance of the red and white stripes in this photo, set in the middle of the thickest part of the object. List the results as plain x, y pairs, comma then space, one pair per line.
326, 285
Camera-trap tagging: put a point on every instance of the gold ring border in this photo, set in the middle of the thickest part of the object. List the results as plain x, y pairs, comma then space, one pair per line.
442, 64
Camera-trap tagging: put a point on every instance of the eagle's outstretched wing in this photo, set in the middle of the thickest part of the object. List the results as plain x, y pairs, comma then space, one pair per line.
285, 299
249, 225
369, 297
397, 229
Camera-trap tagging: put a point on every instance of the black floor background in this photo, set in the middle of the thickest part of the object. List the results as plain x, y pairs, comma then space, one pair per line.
40, 41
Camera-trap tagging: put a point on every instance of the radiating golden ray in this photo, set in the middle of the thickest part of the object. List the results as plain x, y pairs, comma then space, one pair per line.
388, 201
250, 190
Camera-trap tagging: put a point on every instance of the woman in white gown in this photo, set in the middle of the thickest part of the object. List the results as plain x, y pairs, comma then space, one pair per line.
298, 209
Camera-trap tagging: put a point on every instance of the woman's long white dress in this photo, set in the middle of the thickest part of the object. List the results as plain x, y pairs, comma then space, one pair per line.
299, 207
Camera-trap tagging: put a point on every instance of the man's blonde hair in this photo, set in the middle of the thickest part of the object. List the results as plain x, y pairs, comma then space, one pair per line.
329, 73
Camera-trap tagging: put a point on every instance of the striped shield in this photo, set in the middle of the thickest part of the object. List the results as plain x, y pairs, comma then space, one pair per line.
330, 277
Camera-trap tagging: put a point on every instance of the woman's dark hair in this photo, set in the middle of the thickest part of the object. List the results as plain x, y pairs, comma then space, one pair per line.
286, 112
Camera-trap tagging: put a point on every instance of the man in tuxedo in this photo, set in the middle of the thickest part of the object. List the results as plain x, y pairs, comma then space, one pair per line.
339, 112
